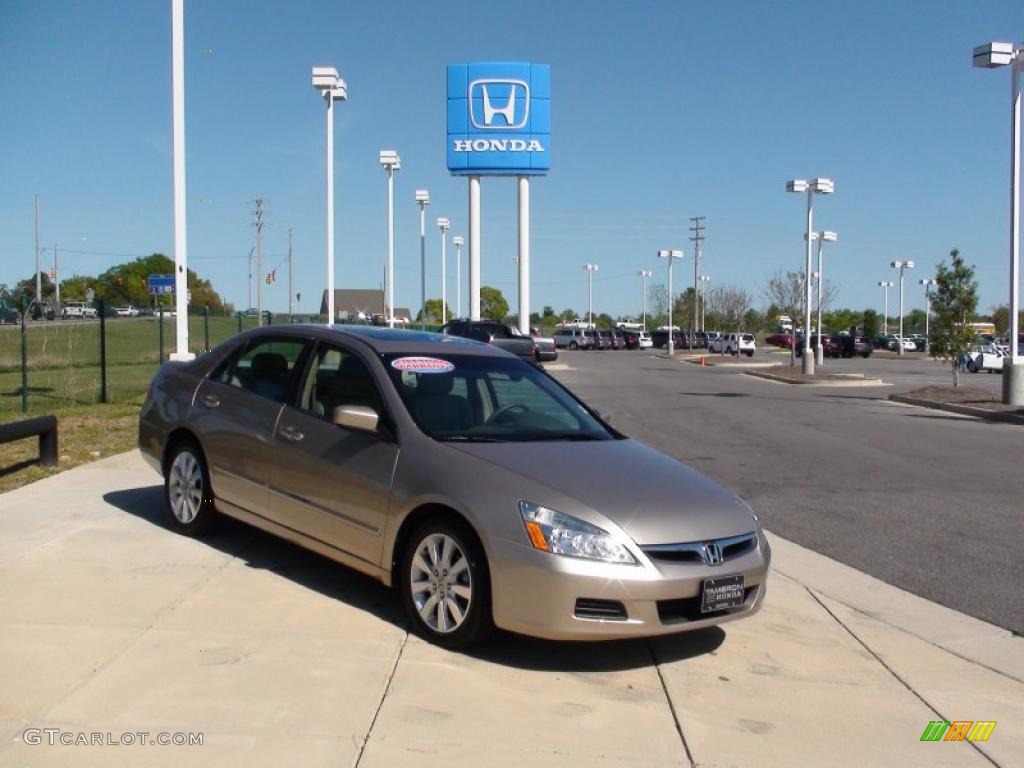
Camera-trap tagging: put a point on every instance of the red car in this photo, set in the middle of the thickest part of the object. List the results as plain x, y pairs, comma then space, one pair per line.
781, 339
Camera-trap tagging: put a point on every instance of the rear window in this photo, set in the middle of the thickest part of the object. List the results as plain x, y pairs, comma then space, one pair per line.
748, 337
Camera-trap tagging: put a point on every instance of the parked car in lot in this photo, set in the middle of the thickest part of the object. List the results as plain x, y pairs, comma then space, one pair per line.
128, 311
618, 340
631, 338
847, 345
602, 339
493, 332
920, 342
734, 344
546, 349
572, 338
9, 314
425, 462
78, 310
892, 342
644, 340
826, 346
659, 338
985, 357
780, 339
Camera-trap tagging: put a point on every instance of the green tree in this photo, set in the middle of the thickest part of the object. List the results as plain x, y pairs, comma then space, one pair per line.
1001, 318
604, 320
25, 290
433, 312
492, 304
871, 322
76, 288
954, 302
127, 284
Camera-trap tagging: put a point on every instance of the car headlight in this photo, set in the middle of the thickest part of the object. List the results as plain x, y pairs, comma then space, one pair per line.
562, 534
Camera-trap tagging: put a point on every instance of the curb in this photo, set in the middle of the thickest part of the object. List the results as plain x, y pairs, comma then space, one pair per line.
849, 382
964, 410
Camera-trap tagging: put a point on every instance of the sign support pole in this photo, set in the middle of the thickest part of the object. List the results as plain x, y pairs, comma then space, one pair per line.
180, 240
474, 247
524, 254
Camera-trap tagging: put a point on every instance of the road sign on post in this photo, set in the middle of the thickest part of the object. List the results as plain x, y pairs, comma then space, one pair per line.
160, 284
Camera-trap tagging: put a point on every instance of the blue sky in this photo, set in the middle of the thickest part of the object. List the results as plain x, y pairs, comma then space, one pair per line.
661, 111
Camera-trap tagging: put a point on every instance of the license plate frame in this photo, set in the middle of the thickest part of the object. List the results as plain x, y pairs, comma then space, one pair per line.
720, 593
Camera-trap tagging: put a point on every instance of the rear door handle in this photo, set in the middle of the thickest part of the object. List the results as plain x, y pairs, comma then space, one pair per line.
291, 434
210, 401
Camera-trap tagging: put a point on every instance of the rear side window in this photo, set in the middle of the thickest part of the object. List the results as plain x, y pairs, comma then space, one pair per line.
265, 368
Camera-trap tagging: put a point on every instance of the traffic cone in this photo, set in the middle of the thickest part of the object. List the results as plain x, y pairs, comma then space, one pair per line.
703, 361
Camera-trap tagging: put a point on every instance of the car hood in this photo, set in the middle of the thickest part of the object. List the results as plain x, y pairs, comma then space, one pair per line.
652, 497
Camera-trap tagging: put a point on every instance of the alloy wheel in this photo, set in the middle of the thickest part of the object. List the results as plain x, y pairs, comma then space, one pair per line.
185, 487
441, 584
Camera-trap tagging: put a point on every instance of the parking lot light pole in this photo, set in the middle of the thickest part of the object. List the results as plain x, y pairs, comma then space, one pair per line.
991, 56
591, 269
391, 162
825, 236
812, 187
644, 274
704, 280
927, 282
443, 224
885, 285
423, 200
329, 83
902, 266
671, 255
458, 242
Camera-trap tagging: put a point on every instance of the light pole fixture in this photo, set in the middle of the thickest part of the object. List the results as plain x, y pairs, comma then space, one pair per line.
885, 285
591, 269
704, 280
181, 352
671, 255
644, 274
390, 162
458, 242
812, 187
423, 200
443, 224
927, 282
902, 266
333, 88
824, 236
991, 56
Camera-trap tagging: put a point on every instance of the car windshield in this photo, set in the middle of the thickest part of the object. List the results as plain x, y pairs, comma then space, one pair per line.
468, 398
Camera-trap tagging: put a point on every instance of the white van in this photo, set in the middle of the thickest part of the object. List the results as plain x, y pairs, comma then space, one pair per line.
733, 344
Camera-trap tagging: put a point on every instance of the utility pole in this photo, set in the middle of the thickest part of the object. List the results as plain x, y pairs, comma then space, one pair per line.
251, 252
259, 257
39, 278
696, 237
56, 276
290, 294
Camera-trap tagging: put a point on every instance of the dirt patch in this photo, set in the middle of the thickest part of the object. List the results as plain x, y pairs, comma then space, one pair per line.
971, 396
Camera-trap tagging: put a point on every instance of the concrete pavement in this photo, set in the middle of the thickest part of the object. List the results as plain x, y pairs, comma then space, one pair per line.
112, 624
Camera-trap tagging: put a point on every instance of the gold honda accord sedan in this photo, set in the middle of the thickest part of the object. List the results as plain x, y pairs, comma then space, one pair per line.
469, 479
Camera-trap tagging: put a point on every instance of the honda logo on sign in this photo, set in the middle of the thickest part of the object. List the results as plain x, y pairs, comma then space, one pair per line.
493, 104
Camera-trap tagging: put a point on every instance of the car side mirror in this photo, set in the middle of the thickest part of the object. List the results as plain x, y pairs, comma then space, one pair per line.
360, 417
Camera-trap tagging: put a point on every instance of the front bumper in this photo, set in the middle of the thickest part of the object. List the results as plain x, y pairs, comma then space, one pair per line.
535, 593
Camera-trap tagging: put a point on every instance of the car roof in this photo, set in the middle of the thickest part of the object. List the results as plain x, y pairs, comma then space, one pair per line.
384, 341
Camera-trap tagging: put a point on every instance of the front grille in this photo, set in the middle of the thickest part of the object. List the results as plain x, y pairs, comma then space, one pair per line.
688, 609
606, 610
694, 552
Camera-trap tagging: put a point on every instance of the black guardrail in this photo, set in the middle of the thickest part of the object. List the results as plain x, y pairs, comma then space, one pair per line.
43, 426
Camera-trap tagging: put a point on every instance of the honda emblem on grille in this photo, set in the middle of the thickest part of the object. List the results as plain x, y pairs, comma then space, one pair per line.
711, 552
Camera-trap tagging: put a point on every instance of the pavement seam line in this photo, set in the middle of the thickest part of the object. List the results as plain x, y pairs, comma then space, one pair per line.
911, 632
893, 672
671, 705
380, 704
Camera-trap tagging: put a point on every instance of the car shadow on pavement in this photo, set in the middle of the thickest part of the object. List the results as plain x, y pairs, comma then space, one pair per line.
258, 549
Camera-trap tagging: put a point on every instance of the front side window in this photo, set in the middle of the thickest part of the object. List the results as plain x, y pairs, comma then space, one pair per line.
489, 399
265, 368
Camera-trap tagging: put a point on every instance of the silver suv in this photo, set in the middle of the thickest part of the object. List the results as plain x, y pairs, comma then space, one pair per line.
573, 338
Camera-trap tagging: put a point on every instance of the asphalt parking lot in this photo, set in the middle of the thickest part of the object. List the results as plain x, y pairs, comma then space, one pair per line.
925, 500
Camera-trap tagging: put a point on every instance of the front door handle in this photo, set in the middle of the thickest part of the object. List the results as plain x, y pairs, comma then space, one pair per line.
210, 401
291, 434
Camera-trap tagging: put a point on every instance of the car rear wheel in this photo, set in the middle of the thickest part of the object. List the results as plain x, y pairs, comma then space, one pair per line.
972, 366
187, 495
445, 585
573, 345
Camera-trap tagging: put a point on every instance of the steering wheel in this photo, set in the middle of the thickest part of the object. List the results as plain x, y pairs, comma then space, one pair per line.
520, 407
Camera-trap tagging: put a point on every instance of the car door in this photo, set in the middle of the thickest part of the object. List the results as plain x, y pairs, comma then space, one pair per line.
330, 482
235, 414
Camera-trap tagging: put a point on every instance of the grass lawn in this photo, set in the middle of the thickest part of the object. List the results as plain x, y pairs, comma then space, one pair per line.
85, 433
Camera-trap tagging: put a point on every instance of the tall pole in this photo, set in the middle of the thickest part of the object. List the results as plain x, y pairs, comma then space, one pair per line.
1013, 376
671, 330
885, 319
927, 283
390, 273
330, 209
251, 252
443, 224
39, 277
56, 276
808, 367
259, 259
899, 346
697, 229
180, 233
644, 274
474, 247
590, 296
524, 254
819, 350
458, 276
290, 294
423, 262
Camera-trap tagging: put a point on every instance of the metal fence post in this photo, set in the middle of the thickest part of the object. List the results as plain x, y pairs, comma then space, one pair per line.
270, 318
239, 322
103, 351
206, 327
24, 356
160, 319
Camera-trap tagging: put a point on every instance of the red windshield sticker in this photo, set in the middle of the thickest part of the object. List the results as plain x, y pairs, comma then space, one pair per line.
422, 365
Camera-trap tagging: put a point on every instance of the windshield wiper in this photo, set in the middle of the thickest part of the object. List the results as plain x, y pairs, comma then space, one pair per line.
468, 439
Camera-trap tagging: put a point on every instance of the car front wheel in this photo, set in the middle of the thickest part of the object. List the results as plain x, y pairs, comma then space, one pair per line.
187, 495
445, 585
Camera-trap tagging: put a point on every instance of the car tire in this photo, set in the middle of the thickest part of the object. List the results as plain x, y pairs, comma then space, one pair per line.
750, 354
468, 596
972, 366
573, 345
188, 497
